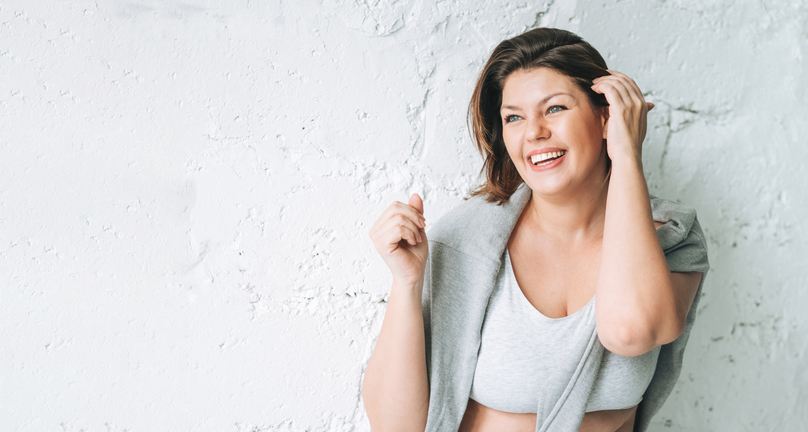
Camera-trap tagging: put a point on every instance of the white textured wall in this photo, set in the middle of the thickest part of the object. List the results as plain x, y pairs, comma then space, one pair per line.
186, 189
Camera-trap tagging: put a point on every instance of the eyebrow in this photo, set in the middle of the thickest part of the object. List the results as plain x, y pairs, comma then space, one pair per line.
541, 102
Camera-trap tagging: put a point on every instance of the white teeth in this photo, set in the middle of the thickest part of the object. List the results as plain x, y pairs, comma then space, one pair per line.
535, 159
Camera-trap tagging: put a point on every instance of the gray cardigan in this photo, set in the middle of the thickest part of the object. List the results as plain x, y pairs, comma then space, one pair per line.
465, 247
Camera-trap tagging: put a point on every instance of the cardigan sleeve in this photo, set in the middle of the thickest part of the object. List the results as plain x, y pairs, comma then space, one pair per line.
689, 255
681, 236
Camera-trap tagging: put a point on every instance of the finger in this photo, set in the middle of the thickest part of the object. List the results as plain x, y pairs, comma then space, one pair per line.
616, 73
390, 239
631, 85
417, 203
382, 225
630, 93
409, 209
613, 96
404, 209
634, 91
398, 233
403, 221
650, 105
623, 77
621, 86
409, 224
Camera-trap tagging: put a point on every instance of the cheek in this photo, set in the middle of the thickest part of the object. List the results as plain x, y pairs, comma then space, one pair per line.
507, 135
590, 134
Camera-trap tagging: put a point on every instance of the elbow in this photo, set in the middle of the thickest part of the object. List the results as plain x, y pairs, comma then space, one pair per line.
384, 415
630, 338
626, 340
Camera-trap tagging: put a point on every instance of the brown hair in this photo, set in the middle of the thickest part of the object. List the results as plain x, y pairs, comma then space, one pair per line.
551, 48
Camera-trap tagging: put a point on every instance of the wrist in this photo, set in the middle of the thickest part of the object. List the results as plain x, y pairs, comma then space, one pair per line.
411, 290
626, 160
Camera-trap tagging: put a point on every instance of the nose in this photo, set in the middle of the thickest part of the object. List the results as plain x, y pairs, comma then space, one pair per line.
536, 129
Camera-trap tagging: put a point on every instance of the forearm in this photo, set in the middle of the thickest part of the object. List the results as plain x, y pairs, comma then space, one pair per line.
636, 306
395, 388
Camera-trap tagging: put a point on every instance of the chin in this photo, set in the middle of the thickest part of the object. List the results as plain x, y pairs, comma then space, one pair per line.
547, 188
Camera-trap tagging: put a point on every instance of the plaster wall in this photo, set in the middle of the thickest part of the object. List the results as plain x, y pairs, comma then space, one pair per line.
186, 189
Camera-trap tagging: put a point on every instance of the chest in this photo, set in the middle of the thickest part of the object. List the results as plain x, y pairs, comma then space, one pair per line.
556, 280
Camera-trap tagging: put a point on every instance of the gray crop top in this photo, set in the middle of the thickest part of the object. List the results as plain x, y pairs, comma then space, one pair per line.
520, 346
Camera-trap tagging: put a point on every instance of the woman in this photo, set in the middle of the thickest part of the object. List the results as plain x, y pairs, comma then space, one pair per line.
493, 325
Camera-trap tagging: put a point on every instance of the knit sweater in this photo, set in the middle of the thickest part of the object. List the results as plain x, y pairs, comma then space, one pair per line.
465, 247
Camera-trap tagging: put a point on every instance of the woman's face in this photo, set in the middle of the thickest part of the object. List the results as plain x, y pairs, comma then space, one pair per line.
552, 132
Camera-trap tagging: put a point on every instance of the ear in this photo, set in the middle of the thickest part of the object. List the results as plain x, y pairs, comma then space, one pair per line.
604, 117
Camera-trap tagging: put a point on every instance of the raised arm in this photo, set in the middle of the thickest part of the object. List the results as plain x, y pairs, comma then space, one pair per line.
641, 304
395, 389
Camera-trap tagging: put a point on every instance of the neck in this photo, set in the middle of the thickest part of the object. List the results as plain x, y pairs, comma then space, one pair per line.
572, 217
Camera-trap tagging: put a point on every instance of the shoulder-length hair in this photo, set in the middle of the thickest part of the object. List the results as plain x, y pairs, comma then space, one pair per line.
551, 48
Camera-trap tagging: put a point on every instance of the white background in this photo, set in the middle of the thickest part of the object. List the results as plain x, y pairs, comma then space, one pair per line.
186, 189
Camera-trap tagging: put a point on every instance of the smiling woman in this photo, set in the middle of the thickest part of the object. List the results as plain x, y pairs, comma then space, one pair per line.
551, 49
560, 296
540, 103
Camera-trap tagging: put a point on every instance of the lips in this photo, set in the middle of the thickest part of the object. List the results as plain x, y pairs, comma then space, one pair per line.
545, 158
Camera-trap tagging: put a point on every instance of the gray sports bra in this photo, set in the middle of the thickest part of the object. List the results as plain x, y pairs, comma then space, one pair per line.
520, 347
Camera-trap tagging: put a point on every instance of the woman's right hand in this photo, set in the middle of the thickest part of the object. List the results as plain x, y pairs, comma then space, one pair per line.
400, 239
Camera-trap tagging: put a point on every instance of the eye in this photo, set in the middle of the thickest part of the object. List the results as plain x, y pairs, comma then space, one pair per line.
511, 118
556, 108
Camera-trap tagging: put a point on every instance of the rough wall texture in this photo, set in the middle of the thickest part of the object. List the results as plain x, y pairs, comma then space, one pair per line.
186, 189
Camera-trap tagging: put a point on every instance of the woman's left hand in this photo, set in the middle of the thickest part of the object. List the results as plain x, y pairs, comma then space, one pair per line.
628, 111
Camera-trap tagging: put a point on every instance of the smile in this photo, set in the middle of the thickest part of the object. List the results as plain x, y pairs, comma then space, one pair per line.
543, 159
